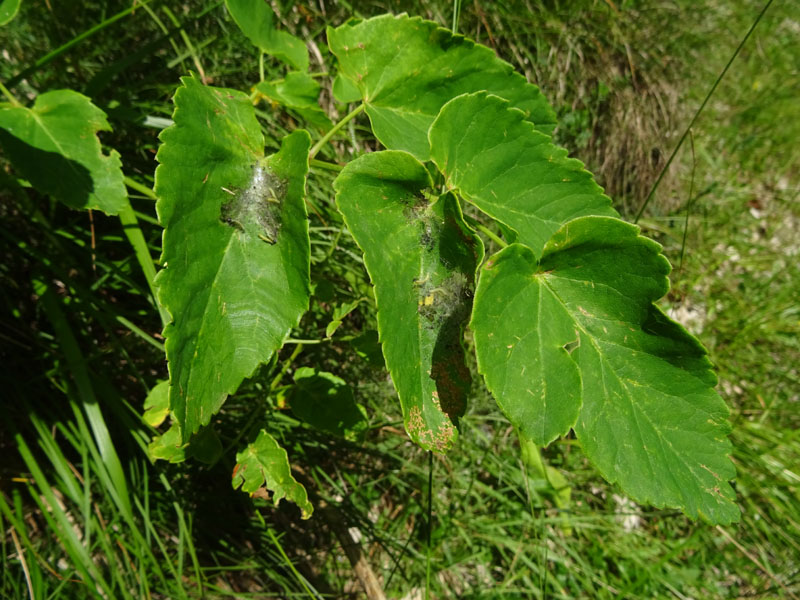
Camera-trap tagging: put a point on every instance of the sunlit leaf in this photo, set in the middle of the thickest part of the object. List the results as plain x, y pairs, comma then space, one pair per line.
8, 10
575, 335
256, 19
300, 93
204, 446
408, 68
235, 249
156, 405
499, 162
421, 258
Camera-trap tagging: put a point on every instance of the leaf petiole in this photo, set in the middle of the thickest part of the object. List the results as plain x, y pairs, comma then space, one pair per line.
334, 130
9, 95
485, 230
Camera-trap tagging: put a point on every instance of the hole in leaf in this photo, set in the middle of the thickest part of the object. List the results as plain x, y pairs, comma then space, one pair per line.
571, 346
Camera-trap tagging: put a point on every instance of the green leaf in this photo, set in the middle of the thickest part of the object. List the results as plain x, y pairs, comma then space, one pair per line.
326, 402
156, 405
515, 174
344, 90
235, 248
421, 258
339, 313
8, 10
407, 69
300, 93
368, 347
54, 145
538, 469
576, 333
265, 463
204, 446
257, 21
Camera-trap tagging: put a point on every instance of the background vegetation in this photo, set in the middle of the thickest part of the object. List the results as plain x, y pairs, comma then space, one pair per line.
81, 345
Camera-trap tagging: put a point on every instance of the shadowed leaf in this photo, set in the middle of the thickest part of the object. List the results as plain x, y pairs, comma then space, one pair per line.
54, 145
265, 463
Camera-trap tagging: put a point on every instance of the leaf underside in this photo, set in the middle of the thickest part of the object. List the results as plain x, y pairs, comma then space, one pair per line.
257, 21
495, 159
422, 259
265, 463
235, 246
408, 68
54, 145
574, 339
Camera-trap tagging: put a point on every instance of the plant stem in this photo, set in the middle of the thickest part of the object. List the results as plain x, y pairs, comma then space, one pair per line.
321, 164
430, 526
142, 189
9, 95
697, 114
326, 138
690, 203
456, 15
492, 235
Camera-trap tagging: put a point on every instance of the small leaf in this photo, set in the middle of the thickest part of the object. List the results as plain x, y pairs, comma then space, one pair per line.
515, 174
204, 446
257, 21
421, 258
649, 417
339, 313
538, 469
298, 92
168, 446
156, 405
54, 145
236, 247
344, 90
407, 69
326, 402
265, 463
8, 10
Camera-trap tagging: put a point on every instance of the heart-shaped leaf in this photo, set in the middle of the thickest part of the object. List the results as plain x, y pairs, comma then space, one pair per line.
576, 334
